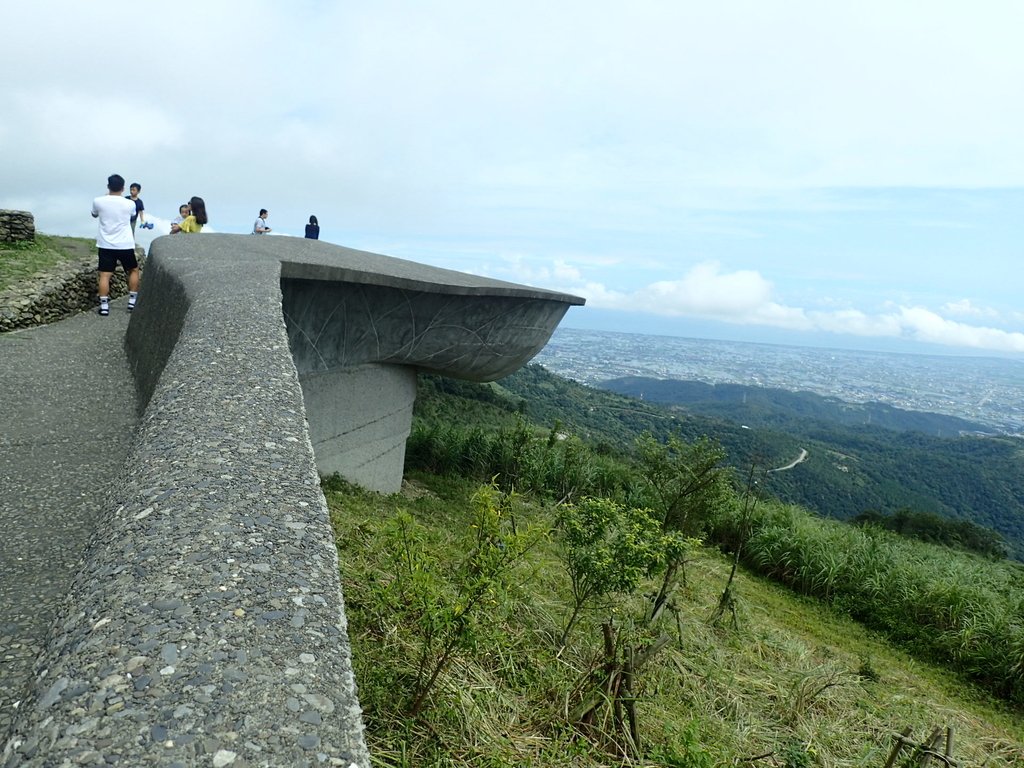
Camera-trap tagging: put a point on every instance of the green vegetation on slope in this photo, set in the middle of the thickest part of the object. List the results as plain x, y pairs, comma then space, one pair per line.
19, 261
925, 526
474, 649
793, 683
982, 642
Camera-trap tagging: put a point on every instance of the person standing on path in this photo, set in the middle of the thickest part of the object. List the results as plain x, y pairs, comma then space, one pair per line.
140, 209
260, 227
115, 241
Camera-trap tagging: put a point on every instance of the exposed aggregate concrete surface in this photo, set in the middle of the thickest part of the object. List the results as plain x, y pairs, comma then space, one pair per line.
205, 622
66, 421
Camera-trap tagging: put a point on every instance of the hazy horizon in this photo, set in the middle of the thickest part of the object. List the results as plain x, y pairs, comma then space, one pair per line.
727, 334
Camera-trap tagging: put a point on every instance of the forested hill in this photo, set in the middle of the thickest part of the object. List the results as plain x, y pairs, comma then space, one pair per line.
860, 457
850, 468
779, 408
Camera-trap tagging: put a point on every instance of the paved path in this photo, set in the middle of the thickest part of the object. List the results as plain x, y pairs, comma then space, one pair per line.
67, 414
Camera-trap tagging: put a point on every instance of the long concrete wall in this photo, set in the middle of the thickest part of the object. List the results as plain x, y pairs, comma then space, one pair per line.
207, 626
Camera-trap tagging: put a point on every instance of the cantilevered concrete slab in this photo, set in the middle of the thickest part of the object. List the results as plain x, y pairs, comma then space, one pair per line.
205, 624
360, 328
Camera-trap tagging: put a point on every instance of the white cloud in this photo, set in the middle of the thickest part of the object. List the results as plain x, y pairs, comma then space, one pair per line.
521, 268
924, 325
705, 290
856, 323
966, 308
745, 297
602, 143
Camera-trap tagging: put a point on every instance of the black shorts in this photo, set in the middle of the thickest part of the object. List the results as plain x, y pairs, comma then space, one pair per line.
110, 256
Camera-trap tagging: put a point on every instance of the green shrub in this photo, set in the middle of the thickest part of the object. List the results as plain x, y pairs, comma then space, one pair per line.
606, 548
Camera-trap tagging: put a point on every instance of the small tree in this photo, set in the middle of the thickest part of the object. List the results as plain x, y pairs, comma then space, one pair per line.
451, 609
727, 602
613, 686
687, 480
607, 548
688, 483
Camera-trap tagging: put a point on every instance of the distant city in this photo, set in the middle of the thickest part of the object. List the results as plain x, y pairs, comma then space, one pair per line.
986, 390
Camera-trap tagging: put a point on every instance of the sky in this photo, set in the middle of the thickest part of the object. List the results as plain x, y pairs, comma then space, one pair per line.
845, 174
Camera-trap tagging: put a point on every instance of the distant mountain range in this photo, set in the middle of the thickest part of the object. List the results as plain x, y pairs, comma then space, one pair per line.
781, 409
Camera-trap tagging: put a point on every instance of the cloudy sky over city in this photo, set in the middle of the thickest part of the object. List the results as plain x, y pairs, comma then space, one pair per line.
840, 174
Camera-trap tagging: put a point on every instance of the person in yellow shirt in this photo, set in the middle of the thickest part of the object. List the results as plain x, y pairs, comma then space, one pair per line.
194, 221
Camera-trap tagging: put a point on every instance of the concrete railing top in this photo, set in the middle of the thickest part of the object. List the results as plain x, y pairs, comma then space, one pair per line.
206, 625
317, 260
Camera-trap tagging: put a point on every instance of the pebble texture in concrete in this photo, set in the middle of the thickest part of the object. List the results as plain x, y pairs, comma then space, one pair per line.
67, 415
205, 625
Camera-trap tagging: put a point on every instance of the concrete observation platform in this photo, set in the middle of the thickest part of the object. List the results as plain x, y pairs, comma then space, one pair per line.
205, 625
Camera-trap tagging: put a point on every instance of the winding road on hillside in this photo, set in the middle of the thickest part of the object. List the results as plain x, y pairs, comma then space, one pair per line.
793, 463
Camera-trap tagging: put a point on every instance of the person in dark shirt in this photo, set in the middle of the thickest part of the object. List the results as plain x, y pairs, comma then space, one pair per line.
140, 216
313, 229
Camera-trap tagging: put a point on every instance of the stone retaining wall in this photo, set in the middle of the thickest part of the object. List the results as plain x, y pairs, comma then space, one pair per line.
16, 226
62, 291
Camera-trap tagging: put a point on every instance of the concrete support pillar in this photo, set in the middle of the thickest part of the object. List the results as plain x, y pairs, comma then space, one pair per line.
359, 420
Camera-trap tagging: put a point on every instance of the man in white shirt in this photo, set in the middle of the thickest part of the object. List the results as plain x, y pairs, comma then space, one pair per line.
260, 227
115, 241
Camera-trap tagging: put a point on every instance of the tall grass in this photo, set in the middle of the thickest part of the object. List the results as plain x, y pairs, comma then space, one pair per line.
941, 604
519, 458
786, 684
947, 605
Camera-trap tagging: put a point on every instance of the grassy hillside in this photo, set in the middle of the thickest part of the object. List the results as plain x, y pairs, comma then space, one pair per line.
793, 681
